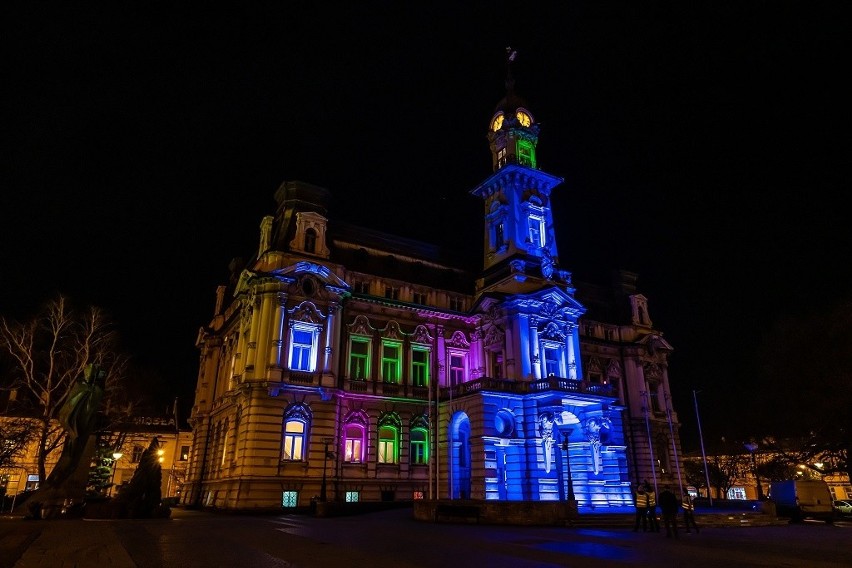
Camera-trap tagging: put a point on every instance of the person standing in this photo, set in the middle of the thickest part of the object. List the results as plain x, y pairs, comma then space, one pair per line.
669, 505
641, 509
688, 511
654, 524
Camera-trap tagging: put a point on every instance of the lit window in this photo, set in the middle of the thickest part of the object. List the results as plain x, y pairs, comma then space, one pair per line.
551, 362
387, 444
354, 444
289, 499
302, 339
526, 154
184, 453
136, 456
359, 358
310, 241
419, 446
353, 496
390, 362
294, 440
420, 367
501, 157
536, 231
457, 368
498, 236
418, 495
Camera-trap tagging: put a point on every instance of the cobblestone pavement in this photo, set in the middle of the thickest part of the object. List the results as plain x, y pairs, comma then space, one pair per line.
393, 539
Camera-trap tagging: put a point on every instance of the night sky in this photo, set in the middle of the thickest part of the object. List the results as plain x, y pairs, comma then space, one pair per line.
700, 147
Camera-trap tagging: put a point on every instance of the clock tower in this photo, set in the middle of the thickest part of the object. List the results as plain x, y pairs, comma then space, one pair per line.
519, 237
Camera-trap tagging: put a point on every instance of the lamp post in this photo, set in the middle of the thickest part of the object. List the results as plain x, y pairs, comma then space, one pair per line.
326, 442
752, 448
115, 457
566, 432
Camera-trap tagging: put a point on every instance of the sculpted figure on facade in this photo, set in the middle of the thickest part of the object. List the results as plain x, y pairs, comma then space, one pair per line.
545, 431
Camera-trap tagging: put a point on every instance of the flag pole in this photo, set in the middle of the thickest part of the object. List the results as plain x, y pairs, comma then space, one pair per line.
703, 455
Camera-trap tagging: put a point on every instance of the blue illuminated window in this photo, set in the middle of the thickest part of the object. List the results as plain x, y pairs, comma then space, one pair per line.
302, 347
536, 231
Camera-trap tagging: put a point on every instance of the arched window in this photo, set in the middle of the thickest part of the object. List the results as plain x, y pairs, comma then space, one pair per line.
388, 436
296, 432
353, 443
419, 446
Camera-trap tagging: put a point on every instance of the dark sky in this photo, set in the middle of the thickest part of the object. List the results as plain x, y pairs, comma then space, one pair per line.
701, 147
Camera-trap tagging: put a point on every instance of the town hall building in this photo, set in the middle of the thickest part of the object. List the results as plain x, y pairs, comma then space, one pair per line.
345, 364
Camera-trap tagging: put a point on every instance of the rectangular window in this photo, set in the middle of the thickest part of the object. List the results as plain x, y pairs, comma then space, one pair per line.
457, 369
390, 362
353, 496
498, 236
501, 157
362, 287
289, 499
420, 367
301, 349
419, 298
359, 358
184, 453
497, 364
653, 395
391, 293
536, 232
456, 304
525, 153
418, 495
419, 447
136, 456
551, 362
387, 445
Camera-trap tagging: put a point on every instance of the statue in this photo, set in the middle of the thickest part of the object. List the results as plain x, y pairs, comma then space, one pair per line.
66, 484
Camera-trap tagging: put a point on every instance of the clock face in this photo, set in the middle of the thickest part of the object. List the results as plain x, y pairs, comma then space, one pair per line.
497, 123
523, 118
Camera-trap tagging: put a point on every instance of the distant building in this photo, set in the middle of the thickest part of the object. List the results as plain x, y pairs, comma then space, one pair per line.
348, 364
133, 438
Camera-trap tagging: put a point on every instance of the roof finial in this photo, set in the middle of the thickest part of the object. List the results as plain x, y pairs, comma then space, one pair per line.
511, 54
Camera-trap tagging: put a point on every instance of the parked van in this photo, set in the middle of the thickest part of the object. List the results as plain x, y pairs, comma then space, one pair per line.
799, 499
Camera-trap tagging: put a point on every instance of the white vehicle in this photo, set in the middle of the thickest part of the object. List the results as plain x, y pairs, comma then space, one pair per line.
800, 499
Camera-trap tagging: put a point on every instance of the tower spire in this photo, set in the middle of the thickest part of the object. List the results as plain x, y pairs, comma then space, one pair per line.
511, 54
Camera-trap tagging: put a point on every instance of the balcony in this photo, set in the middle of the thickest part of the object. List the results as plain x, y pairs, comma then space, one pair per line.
558, 384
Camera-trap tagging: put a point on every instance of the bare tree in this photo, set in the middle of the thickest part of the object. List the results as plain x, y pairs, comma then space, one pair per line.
15, 435
49, 353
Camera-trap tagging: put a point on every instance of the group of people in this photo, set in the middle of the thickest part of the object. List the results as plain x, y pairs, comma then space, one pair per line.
646, 510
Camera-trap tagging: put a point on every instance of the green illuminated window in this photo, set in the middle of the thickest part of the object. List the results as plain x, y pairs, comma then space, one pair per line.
419, 446
387, 444
391, 362
420, 367
359, 358
353, 496
526, 153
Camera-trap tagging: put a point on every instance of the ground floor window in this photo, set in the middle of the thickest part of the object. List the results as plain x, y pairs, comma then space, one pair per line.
353, 496
737, 493
418, 495
289, 499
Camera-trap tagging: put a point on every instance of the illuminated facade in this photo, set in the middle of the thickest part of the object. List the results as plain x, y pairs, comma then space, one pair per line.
345, 364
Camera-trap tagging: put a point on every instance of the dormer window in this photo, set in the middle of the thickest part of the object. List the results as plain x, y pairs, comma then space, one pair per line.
310, 241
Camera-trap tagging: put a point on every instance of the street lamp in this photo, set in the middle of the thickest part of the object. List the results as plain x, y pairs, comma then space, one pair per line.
115, 457
752, 448
326, 442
